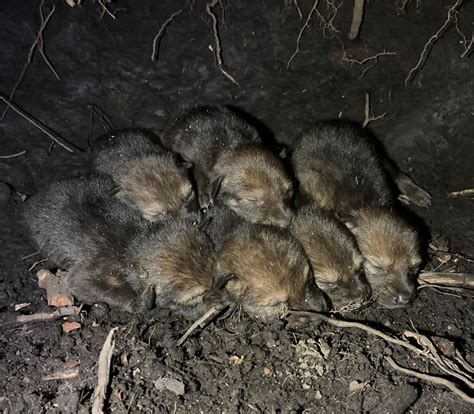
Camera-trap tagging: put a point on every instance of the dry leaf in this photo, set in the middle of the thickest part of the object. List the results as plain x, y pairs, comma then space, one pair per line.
70, 326
355, 386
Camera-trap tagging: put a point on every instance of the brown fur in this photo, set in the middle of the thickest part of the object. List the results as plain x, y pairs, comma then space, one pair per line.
391, 250
271, 272
177, 261
255, 185
333, 254
155, 184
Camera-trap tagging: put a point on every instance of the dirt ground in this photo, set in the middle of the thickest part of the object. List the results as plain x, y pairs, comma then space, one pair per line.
238, 364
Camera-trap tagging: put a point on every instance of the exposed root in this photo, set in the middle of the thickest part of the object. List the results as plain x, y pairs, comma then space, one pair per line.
41, 45
103, 374
300, 34
201, 322
369, 116
43, 128
326, 22
298, 9
39, 35
433, 379
161, 32
452, 13
18, 154
217, 42
357, 16
425, 348
59, 313
347, 58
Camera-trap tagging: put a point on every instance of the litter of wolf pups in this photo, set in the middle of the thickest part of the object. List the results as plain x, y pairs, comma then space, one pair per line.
206, 219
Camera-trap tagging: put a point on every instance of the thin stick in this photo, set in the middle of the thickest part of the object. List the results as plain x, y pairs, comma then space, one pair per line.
469, 47
103, 374
43, 128
298, 9
430, 378
36, 317
217, 42
41, 46
465, 280
18, 154
29, 59
161, 32
469, 192
357, 15
300, 34
29, 256
432, 40
204, 318
105, 9
60, 375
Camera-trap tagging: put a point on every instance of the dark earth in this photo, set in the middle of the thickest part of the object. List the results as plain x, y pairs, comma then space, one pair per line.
236, 364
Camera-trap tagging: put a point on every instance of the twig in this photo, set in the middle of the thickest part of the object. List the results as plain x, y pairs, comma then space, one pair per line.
430, 378
369, 117
202, 320
432, 40
105, 359
18, 154
30, 57
61, 312
300, 34
357, 15
217, 42
298, 9
161, 32
463, 193
41, 46
464, 280
66, 374
34, 264
346, 57
104, 119
468, 48
105, 10
43, 128
29, 256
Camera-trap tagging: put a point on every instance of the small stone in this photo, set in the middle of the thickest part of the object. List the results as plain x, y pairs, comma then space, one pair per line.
306, 386
318, 395
170, 384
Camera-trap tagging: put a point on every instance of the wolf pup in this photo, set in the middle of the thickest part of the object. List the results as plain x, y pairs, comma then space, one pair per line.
230, 160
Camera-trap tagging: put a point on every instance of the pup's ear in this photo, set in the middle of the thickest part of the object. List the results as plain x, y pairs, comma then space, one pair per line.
219, 282
349, 220
115, 192
215, 187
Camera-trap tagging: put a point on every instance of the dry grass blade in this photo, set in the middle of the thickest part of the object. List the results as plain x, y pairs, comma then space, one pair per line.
18, 154
357, 16
161, 32
105, 359
207, 317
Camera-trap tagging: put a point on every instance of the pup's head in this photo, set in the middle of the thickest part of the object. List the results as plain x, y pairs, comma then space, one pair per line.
270, 272
254, 184
391, 250
155, 184
335, 259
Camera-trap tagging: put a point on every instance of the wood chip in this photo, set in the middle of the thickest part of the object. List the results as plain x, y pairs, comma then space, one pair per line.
355, 386
236, 360
71, 326
59, 375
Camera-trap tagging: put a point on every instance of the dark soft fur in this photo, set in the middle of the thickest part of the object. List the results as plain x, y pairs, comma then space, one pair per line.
334, 256
149, 177
339, 168
269, 272
228, 153
81, 228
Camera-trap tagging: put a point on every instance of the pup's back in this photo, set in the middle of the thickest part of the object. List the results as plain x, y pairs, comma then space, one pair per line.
338, 166
176, 260
201, 134
74, 218
268, 271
